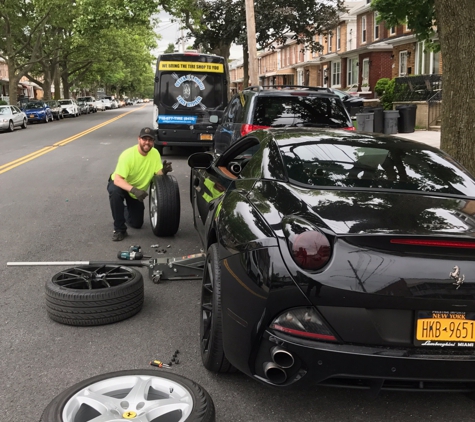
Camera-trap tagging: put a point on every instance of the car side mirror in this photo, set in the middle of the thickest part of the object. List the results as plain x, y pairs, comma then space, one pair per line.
200, 160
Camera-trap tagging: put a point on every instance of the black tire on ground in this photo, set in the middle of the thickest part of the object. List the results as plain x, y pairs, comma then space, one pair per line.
211, 330
94, 295
24, 124
181, 398
164, 205
11, 126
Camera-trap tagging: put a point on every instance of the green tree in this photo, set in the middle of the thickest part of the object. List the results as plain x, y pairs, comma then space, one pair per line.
170, 48
448, 25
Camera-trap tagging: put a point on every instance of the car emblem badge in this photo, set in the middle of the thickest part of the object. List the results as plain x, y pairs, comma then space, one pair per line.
455, 275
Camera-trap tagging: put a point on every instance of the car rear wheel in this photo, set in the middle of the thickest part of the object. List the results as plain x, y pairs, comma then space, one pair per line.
164, 205
139, 394
11, 126
94, 295
211, 331
24, 124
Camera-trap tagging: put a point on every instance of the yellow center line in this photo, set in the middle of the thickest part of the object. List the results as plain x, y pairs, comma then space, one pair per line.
22, 160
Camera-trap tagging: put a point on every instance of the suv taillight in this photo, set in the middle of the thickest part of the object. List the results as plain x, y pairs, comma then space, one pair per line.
245, 129
349, 128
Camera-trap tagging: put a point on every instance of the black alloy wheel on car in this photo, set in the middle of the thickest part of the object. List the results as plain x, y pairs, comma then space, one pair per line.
212, 351
94, 295
164, 205
138, 394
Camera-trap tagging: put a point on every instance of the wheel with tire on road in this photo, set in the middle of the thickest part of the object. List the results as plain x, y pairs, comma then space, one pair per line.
24, 125
164, 205
137, 394
93, 295
11, 126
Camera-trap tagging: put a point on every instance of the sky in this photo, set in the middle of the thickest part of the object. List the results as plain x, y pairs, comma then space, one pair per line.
170, 32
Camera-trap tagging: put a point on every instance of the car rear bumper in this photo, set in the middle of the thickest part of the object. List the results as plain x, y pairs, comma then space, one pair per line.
379, 368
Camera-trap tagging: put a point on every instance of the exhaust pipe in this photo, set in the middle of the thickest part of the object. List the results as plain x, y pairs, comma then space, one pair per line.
282, 357
274, 373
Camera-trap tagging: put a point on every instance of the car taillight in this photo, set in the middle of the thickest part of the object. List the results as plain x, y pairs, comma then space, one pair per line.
303, 322
245, 129
309, 247
349, 128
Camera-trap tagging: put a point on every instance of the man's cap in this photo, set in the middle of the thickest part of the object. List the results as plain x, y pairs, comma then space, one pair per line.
146, 132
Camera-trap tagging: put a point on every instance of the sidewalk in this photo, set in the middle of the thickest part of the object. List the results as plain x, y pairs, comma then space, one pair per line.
430, 137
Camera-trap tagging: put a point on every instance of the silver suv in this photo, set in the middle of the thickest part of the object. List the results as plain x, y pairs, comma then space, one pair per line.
90, 101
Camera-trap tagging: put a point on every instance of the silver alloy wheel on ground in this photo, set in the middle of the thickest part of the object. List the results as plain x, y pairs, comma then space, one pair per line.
143, 395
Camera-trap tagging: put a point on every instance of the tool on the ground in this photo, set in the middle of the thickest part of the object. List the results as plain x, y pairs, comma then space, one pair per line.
155, 246
159, 364
135, 248
189, 267
130, 256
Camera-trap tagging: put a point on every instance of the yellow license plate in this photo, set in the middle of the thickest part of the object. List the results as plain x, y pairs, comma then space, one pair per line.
206, 137
444, 328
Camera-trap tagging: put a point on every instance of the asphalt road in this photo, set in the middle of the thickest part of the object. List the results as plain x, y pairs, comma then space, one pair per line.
54, 207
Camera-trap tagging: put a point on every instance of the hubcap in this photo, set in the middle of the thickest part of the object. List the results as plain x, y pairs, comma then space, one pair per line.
134, 397
206, 306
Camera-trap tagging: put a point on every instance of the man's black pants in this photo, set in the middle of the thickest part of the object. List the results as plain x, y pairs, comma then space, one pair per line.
132, 213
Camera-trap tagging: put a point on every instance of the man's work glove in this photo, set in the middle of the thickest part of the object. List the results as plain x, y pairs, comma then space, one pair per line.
139, 194
167, 167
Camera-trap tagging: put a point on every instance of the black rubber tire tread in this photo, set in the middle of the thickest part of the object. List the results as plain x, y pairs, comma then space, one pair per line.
214, 359
11, 126
168, 207
203, 406
24, 124
95, 307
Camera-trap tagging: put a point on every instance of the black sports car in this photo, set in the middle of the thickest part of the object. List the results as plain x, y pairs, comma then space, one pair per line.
338, 258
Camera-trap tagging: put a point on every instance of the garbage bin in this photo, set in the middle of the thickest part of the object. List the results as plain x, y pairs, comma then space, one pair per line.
365, 122
378, 126
407, 118
390, 121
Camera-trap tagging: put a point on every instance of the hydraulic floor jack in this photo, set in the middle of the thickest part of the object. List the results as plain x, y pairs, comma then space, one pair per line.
189, 267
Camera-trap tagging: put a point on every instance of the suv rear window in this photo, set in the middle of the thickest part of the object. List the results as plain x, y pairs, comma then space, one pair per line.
300, 110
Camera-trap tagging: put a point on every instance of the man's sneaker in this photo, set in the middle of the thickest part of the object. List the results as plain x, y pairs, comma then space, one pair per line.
118, 236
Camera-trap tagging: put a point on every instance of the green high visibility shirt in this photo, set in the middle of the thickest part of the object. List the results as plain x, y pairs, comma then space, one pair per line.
136, 169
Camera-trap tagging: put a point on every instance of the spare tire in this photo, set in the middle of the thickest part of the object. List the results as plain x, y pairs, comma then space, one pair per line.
164, 205
140, 394
94, 295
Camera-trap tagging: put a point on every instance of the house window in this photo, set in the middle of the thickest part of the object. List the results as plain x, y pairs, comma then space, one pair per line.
376, 26
427, 62
300, 77
352, 78
336, 73
402, 63
338, 38
329, 40
392, 30
363, 29
365, 71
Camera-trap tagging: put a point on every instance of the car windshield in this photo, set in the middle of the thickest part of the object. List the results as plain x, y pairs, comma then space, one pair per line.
375, 166
33, 106
5, 110
300, 110
65, 102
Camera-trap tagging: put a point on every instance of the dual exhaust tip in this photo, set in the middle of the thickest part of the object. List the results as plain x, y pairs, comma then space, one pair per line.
281, 360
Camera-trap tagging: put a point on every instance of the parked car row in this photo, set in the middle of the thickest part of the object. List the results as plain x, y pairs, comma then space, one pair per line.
44, 111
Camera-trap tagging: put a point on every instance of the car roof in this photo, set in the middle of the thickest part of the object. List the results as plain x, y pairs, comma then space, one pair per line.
289, 90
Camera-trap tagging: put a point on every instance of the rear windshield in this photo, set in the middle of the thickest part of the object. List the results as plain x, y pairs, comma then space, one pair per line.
32, 106
197, 90
65, 102
303, 111
341, 165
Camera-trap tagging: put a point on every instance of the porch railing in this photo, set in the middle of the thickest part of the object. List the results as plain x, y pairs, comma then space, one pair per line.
434, 108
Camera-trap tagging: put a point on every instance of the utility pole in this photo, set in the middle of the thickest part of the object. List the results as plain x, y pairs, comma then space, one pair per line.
251, 42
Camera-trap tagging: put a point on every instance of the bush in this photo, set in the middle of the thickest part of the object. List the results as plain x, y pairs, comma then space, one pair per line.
380, 86
2, 102
388, 96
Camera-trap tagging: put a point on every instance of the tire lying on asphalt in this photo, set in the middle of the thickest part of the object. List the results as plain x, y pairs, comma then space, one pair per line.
141, 394
164, 205
94, 295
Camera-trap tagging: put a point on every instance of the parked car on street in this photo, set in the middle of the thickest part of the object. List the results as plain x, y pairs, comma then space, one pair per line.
337, 258
90, 101
83, 107
352, 102
261, 107
56, 109
100, 105
38, 111
12, 117
70, 107
107, 103
114, 104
